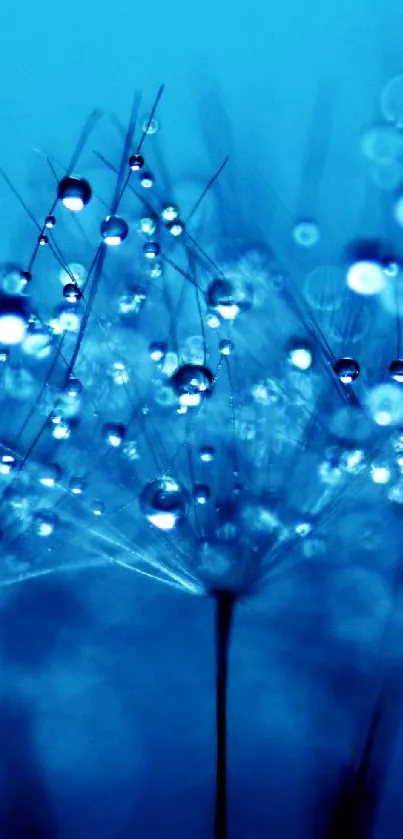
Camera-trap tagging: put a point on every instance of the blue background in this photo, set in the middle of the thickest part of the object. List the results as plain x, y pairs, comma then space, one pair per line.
107, 681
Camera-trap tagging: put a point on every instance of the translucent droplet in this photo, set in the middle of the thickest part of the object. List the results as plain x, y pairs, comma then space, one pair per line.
385, 404
228, 297
163, 503
151, 250
260, 519
18, 502
114, 230
266, 392
350, 321
98, 508
398, 210
73, 273
191, 382
50, 222
150, 126
300, 355
113, 434
77, 486
395, 493
352, 461
392, 269
303, 529
392, 101
396, 370
176, 228
7, 463
207, 454
154, 269
169, 213
397, 442
74, 193
170, 363
131, 304
131, 450
158, 350
366, 277
165, 397
382, 144
49, 475
193, 350
226, 346
37, 341
119, 373
67, 406
201, 493
136, 162
380, 473
347, 370
306, 234
61, 429
72, 293
18, 383
387, 176
324, 287
44, 524
73, 388
146, 180
329, 473
147, 226
213, 321
13, 320
11, 279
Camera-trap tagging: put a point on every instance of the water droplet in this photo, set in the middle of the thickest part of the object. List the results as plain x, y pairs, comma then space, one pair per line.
74, 193
49, 475
114, 230
163, 503
324, 287
44, 524
347, 370
385, 404
191, 382
382, 144
113, 434
366, 277
396, 370
392, 101
306, 234
228, 297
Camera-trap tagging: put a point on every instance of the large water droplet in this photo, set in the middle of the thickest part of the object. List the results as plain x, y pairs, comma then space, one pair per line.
163, 503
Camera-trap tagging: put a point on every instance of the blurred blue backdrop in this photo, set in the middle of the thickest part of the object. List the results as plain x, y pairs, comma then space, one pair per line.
107, 723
